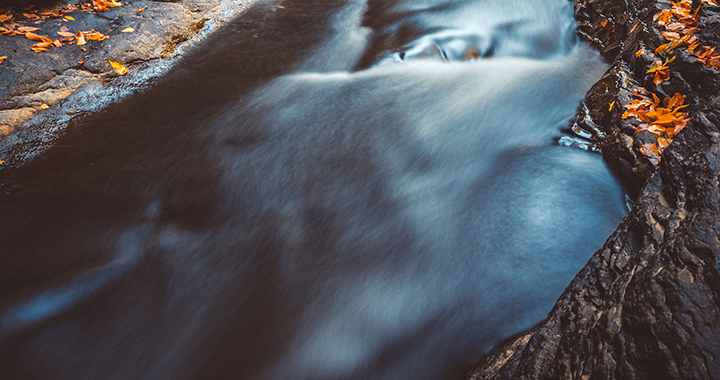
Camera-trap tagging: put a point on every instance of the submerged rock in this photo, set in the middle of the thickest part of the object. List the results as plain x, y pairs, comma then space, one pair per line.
647, 305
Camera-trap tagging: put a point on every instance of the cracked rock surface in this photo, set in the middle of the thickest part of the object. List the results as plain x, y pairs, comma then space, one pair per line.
28, 79
647, 305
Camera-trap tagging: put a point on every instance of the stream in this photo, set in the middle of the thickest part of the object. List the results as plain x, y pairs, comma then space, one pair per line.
322, 190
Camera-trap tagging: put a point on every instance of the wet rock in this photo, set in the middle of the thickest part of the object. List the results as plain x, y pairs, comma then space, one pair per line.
29, 79
647, 305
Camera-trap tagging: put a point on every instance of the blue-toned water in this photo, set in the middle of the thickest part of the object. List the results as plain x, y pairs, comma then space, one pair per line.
324, 190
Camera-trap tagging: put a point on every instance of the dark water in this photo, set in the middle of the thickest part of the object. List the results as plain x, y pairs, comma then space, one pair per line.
324, 190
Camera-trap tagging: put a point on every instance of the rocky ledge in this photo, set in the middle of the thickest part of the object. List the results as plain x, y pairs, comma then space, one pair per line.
129, 32
647, 305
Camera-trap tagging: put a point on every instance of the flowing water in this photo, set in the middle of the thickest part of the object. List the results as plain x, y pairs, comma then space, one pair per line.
335, 189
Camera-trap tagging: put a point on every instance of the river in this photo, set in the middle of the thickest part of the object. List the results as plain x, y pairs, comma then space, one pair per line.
334, 189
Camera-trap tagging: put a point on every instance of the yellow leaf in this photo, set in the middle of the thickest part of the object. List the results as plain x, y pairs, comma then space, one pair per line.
119, 68
69, 18
1, 162
44, 106
127, 30
639, 53
3, 58
611, 105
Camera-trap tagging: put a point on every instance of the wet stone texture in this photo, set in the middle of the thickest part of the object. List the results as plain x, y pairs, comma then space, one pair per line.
647, 305
28, 79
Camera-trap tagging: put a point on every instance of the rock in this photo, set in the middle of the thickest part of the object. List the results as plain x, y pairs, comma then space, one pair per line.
647, 305
28, 79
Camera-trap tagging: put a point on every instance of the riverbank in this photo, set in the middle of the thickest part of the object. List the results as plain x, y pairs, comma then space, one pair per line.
54, 51
647, 305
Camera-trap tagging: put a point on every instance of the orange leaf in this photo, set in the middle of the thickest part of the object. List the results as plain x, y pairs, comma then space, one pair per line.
119, 68
663, 16
604, 23
80, 38
34, 37
3, 59
66, 34
633, 28
26, 29
44, 106
639, 53
656, 129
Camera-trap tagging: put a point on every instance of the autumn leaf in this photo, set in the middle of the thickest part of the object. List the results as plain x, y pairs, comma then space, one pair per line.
26, 29
633, 28
652, 152
34, 37
97, 36
80, 38
3, 59
44, 106
604, 23
65, 34
41, 47
663, 16
611, 106
119, 68
709, 2
5, 18
639, 53
127, 30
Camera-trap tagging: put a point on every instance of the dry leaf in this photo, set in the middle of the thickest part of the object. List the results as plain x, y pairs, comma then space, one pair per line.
80, 38
1, 162
4, 18
66, 34
140, 9
604, 23
34, 37
633, 28
27, 29
119, 68
69, 18
97, 36
611, 106
639, 53
57, 43
44, 106
80, 62
127, 30
3, 59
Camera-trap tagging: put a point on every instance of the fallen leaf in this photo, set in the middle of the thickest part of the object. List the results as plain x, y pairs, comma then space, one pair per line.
1, 162
80, 38
31, 16
119, 68
66, 34
663, 16
69, 18
27, 29
80, 62
633, 28
639, 53
4, 18
3, 59
611, 106
127, 30
604, 23
34, 37
709, 2
44, 106
140, 9
64, 28
97, 36
57, 43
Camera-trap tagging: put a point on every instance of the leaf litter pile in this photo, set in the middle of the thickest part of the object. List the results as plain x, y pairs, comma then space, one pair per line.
667, 118
14, 22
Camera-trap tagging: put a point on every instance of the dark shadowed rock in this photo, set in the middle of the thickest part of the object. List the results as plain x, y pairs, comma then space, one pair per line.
647, 305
